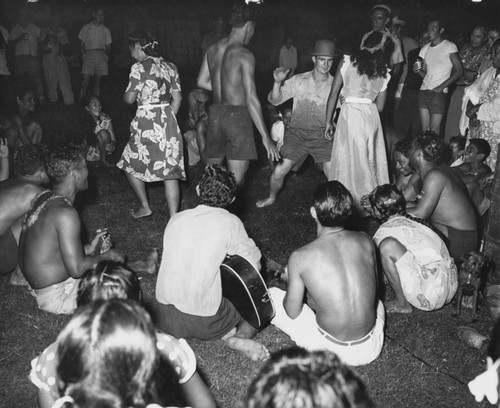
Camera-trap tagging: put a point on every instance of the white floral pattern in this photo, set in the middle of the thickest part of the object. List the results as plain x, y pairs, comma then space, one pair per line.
154, 151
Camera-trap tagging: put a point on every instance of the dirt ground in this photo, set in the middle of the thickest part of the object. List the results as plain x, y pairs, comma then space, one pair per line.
423, 363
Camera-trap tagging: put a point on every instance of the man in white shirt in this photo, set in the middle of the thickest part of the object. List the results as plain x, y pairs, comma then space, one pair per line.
441, 67
189, 289
95, 40
288, 56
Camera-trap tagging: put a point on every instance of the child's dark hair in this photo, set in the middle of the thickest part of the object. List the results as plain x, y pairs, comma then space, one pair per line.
217, 186
459, 141
29, 158
403, 146
373, 58
107, 356
298, 378
333, 204
108, 280
482, 146
148, 44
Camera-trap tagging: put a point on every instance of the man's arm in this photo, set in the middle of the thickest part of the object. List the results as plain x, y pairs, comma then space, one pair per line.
456, 73
68, 227
294, 297
176, 101
431, 191
253, 104
204, 80
380, 100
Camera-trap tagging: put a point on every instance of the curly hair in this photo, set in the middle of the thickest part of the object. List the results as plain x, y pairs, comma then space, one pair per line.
61, 160
108, 280
333, 204
482, 146
107, 356
403, 146
217, 186
298, 378
30, 158
373, 58
241, 13
433, 147
148, 44
459, 140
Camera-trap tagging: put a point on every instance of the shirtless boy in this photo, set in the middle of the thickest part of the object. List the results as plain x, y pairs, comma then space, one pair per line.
228, 71
444, 198
52, 256
189, 288
15, 199
339, 272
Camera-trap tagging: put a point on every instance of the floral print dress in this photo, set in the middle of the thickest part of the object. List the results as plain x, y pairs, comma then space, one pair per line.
154, 151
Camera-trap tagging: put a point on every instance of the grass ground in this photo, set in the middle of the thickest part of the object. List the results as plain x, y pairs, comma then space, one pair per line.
423, 363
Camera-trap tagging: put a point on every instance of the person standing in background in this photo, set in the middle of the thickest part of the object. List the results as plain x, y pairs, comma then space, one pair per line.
288, 56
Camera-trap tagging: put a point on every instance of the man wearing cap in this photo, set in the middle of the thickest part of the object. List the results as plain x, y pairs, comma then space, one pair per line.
381, 16
305, 134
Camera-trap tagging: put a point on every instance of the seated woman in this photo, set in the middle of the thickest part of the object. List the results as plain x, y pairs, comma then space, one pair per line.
414, 258
99, 132
407, 180
195, 135
111, 280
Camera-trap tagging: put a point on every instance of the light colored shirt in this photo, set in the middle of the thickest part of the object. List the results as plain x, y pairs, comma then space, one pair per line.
95, 37
309, 103
397, 55
28, 46
195, 244
438, 63
288, 57
4, 70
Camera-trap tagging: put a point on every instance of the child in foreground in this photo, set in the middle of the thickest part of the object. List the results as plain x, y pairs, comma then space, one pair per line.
172, 359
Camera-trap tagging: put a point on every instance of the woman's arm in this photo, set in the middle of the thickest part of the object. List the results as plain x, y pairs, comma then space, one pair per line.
176, 101
338, 81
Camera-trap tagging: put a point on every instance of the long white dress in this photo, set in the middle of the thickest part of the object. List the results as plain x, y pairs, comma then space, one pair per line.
359, 159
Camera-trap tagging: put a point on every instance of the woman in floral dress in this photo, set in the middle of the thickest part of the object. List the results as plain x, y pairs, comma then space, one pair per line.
154, 151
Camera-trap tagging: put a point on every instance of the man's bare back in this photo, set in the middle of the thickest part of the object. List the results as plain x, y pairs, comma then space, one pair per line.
339, 272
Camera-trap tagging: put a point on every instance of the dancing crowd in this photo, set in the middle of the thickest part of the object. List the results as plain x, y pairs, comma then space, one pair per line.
405, 132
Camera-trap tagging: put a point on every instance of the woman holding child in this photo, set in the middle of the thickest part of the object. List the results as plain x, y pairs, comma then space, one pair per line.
154, 151
359, 159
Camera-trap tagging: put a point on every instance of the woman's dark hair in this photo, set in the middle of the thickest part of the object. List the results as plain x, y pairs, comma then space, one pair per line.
217, 186
298, 378
148, 44
433, 147
403, 146
107, 356
332, 203
373, 58
108, 280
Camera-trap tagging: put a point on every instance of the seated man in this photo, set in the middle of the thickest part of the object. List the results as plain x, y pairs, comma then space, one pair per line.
339, 272
407, 179
16, 195
189, 288
444, 199
52, 256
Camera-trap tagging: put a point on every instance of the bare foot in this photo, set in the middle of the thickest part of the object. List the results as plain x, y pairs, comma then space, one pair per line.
148, 265
250, 348
17, 278
397, 307
141, 213
264, 203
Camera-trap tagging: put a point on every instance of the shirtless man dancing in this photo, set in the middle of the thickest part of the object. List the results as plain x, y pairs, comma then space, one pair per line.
228, 71
444, 198
339, 272
52, 256
15, 200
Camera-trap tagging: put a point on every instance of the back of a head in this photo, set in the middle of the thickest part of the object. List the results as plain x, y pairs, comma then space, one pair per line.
107, 356
217, 186
61, 161
433, 147
29, 158
242, 12
373, 57
108, 280
333, 204
296, 378
147, 42
387, 200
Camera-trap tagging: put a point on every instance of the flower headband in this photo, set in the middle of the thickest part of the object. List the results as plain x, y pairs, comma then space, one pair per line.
377, 47
150, 44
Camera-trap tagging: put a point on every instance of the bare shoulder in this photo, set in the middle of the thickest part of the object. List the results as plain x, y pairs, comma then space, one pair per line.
62, 214
19, 191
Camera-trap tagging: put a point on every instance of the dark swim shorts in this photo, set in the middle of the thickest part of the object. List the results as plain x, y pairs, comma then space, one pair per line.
461, 242
230, 133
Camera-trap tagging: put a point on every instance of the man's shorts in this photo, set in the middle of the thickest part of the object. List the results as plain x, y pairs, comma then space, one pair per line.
434, 102
95, 62
297, 146
172, 321
230, 133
